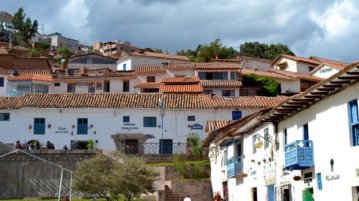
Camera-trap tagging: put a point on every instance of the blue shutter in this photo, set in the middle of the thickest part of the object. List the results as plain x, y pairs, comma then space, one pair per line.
236, 115
39, 126
82, 127
305, 132
353, 111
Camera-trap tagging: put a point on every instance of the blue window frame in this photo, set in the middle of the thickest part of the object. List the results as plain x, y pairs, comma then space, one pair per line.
305, 132
39, 126
285, 138
239, 151
124, 67
126, 119
82, 126
149, 122
1, 81
236, 115
266, 138
353, 121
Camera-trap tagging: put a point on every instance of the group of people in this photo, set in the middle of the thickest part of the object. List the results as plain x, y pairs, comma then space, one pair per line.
33, 144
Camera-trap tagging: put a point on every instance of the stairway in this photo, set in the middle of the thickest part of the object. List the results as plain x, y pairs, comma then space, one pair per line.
171, 196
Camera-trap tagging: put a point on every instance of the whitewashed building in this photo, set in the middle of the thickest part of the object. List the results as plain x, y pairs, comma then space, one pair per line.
314, 140
67, 118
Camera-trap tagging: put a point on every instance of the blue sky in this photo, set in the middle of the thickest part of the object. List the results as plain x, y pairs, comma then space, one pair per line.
309, 27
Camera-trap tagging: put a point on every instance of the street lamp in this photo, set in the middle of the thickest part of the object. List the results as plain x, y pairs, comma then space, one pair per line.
162, 113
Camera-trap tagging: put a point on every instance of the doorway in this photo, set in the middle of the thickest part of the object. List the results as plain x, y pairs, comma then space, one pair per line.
286, 193
270, 192
307, 194
254, 194
131, 146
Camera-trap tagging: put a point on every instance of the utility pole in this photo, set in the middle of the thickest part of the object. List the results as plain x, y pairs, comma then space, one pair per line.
162, 113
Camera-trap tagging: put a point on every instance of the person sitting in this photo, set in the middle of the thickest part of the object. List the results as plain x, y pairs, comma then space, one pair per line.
18, 145
49, 145
65, 147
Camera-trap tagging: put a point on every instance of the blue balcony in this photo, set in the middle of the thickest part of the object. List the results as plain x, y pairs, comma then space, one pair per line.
299, 155
234, 168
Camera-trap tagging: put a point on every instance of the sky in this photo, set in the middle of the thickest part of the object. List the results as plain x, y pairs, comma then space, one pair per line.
328, 29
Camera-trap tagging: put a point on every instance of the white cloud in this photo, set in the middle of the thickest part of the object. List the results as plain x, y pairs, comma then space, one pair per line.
336, 20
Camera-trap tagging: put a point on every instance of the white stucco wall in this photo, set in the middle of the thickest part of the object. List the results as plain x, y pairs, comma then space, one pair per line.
289, 85
328, 125
133, 61
106, 122
325, 71
3, 89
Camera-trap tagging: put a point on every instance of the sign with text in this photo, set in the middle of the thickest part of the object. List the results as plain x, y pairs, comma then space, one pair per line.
129, 126
196, 127
269, 173
62, 130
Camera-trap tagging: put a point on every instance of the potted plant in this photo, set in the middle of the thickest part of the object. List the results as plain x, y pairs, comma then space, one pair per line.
90, 145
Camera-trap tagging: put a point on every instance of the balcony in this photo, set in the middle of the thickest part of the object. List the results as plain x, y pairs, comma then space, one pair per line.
234, 168
299, 155
16, 93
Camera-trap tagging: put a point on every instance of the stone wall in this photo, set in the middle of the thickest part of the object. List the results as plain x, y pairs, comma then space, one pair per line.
199, 190
25, 176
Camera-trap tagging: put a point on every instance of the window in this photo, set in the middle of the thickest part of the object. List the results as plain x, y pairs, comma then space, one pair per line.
213, 75
98, 85
305, 132
233, 76
1, 81
91, 87
236, 115
239, 152
39, 126
285, 137
124, 67
126, 119
191, 118
4, 116
208, 91
106, 86
71, 87
254, 139
266, 138
353, 122
149, 122
126, 86
82, 127
228, 93
57, 84
151, 79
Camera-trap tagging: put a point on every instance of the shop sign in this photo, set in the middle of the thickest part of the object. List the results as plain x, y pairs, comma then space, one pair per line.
331, 177
62, 130
269, 173
129, 126
196, 127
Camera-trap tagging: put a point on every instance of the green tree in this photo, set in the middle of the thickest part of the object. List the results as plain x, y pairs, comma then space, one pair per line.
213, 50
26, 29
64, 53
262, 50
112, 180
269, 86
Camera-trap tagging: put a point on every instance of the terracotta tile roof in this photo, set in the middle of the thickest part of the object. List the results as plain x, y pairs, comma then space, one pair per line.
159, 55
216, 66
179, 66
339, 65
171, 101
10, 62
150, 69
221, 83
296, 58
34, 77
179, 80
148, 85
248, 101
8, 72
294, 75
337, 82
181, 89
100, 76
247, 71
214, 125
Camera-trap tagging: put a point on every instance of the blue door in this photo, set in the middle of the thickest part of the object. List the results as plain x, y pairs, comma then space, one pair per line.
271, 192
166, 146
